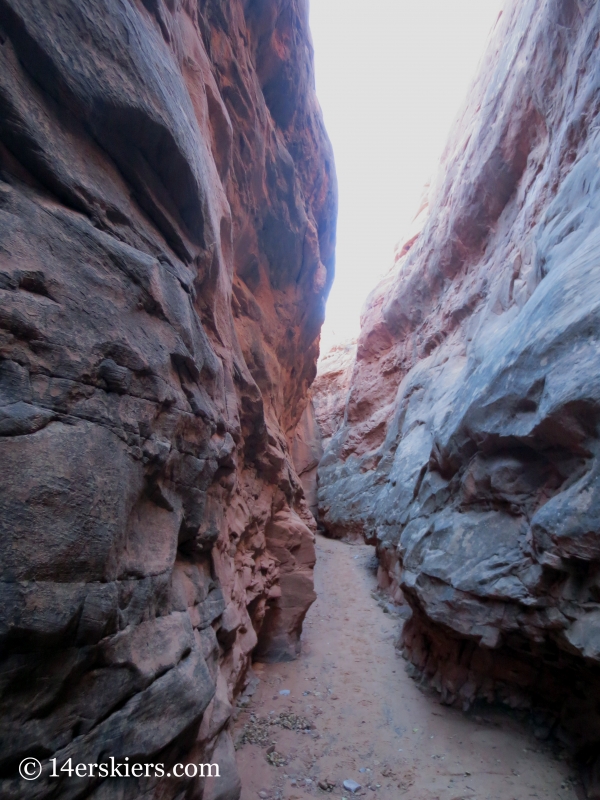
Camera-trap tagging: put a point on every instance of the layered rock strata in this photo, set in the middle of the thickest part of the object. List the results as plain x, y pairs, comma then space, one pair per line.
470, 448
322, 417
307, 449
167, 214
330, 389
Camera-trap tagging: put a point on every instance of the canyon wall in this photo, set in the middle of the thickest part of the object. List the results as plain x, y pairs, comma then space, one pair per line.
470, 449
167, 224
323, 416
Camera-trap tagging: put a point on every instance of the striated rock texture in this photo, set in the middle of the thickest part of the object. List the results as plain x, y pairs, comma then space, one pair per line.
167, 215
307, 449
323, 416
330, 389
470, 450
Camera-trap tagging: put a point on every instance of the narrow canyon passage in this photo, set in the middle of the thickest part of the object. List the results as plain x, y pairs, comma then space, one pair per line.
369, 721
173, 429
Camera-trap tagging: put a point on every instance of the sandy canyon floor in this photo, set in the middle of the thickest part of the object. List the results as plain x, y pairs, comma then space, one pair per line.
369, 722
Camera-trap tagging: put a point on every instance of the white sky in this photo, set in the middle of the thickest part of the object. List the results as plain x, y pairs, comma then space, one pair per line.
391, 78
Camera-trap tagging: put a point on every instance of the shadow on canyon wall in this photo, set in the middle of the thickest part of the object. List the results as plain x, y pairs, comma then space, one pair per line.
167, 225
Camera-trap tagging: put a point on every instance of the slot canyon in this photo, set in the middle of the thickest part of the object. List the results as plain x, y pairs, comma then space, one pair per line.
372, 571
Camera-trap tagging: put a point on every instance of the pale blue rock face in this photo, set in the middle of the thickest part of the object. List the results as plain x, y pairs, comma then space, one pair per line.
476, 387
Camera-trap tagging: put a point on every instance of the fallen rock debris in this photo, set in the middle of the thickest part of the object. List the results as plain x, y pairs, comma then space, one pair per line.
276, 759
326, 785
258, 730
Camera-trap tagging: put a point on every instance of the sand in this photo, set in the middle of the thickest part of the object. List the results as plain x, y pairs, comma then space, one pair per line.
366, 713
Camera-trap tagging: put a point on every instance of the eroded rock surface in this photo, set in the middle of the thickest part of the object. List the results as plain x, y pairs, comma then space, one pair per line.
323, 416
470, 450
330, 389
167, 213
307, 449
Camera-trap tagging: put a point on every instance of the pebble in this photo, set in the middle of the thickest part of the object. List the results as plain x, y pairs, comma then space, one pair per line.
284, 692
263, 795
362, 769
352, 786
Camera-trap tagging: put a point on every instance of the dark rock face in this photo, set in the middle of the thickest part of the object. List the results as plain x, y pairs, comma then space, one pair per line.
167, 215
469, 450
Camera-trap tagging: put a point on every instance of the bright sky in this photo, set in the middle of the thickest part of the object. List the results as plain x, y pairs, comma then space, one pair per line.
391, 78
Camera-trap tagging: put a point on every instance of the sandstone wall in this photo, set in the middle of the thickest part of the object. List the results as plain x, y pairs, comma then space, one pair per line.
470, 449
307, 449
330, 389
167, 215
322, 417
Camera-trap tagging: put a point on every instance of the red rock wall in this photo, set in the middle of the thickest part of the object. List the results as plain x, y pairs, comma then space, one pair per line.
167, 215
469, 449
330, 389
323, 416
307, 449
